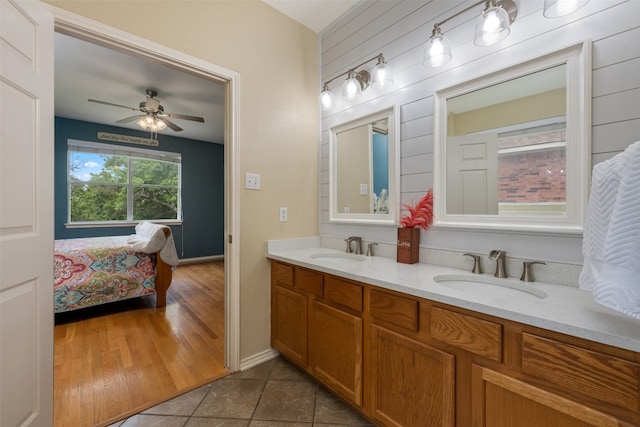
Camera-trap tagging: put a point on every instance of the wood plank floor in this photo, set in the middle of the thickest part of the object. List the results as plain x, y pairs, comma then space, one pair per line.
116, 360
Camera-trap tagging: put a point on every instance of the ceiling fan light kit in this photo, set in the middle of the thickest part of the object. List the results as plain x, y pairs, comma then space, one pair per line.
153, 116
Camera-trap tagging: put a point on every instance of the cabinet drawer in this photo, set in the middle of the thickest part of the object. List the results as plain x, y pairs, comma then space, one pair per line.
346, 294
281, 274
477, 336
394, 309
594, 374
309, 281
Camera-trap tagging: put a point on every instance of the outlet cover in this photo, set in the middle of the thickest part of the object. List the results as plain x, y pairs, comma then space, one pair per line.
283, 214
252, 181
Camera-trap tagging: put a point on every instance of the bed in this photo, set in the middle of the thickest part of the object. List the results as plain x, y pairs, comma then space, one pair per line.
98, 270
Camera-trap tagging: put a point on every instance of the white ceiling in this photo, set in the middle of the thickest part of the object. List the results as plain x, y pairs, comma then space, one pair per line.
85, 71
313, 14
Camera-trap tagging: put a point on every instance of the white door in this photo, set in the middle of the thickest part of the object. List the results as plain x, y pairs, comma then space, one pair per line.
472, 175
26, 214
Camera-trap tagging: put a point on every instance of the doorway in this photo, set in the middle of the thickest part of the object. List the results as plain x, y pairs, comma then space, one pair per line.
91, 31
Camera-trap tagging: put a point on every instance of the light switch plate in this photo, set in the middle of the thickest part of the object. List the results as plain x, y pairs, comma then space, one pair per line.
364, 189
252, 181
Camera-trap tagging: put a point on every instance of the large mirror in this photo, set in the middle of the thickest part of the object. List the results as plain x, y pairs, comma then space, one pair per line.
512, 149
363, 182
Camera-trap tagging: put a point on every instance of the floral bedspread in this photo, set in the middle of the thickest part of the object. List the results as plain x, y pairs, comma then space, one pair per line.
98, 270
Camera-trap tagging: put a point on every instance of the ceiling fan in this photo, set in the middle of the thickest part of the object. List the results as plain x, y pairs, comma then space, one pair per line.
152, 114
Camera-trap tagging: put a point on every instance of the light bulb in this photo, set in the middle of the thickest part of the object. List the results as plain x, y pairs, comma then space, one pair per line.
492, 26
327, 99
437, 51
351, 89
381, 75
556, 8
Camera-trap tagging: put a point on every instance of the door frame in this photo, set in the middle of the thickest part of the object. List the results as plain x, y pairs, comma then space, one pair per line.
89, 30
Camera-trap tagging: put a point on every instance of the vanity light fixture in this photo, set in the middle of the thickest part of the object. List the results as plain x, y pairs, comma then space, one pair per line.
493, 26
556, 8
357, 82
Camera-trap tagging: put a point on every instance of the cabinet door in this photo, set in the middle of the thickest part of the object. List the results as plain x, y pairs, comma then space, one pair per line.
336, 351
412, 384
502, 401
289, 324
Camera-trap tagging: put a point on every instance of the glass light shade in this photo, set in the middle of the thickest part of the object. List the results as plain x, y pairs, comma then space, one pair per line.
556, 8
437, 51
351, 89
327, 100
492, 27
158, 124
381, 76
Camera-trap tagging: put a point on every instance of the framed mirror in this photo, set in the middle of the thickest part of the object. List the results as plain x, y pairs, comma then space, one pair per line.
363, 166
512, 149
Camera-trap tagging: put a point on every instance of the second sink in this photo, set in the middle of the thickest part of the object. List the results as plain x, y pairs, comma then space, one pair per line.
481, 284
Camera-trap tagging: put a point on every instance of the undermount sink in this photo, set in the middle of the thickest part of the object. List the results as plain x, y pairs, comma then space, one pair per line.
338, 258
481, 284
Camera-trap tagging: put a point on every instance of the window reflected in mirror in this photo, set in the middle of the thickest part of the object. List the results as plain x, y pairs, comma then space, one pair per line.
512, 148
506, 147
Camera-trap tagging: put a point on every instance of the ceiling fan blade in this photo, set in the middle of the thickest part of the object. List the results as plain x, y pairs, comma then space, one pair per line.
130, 119
184, 117
172, 125
112, 104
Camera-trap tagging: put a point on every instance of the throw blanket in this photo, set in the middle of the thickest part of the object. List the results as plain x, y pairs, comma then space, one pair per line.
611, 243
150, 238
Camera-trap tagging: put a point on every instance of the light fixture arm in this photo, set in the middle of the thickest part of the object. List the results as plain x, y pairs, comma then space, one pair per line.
360, 76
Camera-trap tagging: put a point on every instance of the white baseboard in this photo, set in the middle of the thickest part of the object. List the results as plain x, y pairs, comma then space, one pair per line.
258, 358
200, 259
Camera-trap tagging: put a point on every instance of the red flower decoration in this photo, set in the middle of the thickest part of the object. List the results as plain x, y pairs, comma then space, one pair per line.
420, 214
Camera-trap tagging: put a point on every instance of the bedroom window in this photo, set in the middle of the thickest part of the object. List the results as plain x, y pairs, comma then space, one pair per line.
112, 183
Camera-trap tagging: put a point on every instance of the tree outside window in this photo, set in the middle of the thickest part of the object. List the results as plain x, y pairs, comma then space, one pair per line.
122, 186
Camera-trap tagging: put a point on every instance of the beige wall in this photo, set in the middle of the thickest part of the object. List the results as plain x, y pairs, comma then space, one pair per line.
277, 60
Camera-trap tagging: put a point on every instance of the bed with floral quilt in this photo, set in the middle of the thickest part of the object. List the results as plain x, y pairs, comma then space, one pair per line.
98, 270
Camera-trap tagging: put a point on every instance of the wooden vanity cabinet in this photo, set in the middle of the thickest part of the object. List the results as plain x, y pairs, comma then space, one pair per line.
336, 339
406, 361
292, 293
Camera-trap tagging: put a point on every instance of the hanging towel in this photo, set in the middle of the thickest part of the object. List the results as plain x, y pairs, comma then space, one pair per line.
611, 241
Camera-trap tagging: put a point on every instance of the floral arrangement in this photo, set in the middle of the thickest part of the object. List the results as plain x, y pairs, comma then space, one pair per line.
419, 214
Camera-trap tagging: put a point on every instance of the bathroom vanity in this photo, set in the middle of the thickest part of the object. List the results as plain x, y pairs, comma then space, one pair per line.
405, 350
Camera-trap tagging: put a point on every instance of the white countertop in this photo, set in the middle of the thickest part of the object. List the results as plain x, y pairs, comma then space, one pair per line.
565, 309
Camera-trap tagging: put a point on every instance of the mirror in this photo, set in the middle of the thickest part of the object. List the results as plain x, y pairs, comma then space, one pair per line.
363, 184
512, 149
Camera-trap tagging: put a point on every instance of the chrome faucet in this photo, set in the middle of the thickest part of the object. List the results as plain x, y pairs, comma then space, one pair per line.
358, 241
499, 257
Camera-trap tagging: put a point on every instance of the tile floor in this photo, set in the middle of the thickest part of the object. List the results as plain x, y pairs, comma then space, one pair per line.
273, 394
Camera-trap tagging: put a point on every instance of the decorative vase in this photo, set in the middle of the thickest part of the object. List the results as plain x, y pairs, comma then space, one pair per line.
408, 245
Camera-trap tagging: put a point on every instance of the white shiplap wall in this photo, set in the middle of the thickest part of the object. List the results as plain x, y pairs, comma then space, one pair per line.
399, 30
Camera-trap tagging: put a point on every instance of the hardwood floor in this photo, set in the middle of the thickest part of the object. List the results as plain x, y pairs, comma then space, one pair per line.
116, 360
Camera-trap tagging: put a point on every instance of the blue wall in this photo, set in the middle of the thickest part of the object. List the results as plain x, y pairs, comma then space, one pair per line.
202, 231
380, 162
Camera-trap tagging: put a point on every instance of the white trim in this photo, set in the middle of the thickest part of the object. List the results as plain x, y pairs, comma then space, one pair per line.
577, 58
200, 259
258, 359
104, 35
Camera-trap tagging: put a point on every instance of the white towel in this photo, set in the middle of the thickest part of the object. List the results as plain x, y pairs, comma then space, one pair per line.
611, 243
150, 238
